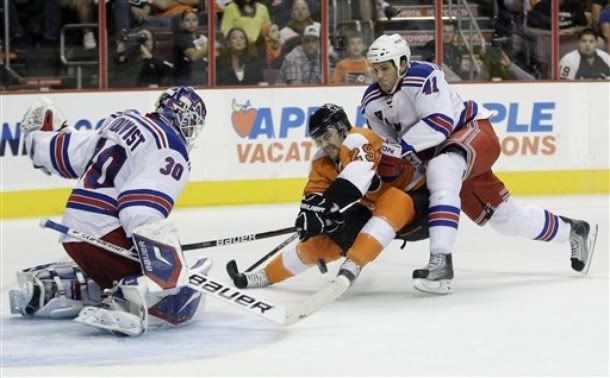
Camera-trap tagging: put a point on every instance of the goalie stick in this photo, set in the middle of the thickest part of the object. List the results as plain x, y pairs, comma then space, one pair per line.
47, 223
200, 282
263, 308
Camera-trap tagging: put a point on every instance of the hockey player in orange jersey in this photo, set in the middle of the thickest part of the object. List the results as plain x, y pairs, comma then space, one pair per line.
346, 209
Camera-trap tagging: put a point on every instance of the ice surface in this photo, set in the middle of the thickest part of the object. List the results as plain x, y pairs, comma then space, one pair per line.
517, 309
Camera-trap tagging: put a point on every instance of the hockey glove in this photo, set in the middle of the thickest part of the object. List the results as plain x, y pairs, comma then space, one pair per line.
390, 164
317, 216
43, 116
392, 154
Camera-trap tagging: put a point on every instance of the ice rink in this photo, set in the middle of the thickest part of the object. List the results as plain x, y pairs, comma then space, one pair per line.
517, 309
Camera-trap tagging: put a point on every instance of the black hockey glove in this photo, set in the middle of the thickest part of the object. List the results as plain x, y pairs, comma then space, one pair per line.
318, 215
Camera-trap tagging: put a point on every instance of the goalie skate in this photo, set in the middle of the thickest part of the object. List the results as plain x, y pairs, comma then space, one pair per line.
117, 322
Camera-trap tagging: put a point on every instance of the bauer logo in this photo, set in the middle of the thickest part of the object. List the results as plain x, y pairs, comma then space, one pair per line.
275, 135
525, 129
228, 293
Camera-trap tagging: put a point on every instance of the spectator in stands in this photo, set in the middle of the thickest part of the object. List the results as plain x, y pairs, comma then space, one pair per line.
281, 10
302, 64
354, 69
52, 21
249, 15
293, 31
273, 46
587, 62
571, 14
237, 64
191, 52
135, 14
604, 26
452, 51
154, 71
597, 6
509, 58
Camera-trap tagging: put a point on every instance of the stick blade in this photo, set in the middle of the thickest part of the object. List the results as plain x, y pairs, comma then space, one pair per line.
321, 298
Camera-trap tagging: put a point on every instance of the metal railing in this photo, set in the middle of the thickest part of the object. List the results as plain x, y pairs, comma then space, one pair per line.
473, 29
77, 63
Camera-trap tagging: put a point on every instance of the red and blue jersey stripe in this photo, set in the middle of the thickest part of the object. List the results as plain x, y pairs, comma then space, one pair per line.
440, 122
470, 111
444, 215
148, 198
59, 155
86, 200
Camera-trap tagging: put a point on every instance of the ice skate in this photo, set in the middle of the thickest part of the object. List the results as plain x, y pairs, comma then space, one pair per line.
582, 243
249, 280
436, 276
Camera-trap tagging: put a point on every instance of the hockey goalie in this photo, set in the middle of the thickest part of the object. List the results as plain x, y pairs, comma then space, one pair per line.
129, 173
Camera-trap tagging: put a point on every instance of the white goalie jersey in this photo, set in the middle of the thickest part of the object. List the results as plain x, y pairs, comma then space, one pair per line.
129, 172
423, 111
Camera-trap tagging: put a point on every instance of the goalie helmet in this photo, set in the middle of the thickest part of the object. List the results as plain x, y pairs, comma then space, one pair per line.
389, 48
182, 108
327, 116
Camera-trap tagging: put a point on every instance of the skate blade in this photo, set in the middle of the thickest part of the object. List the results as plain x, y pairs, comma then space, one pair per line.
591, 241
440, 287
100, 320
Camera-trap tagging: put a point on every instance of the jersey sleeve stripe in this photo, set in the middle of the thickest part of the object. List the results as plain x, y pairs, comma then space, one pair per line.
92, 202
146, 203
155, 134
468, 113
65, 156
146, 197
59, 156
440, 123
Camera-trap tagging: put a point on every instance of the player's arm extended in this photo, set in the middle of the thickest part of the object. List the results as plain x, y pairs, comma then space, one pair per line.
53, 146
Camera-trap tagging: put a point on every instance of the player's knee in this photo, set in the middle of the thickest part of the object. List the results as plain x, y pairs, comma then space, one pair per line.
505, 218
316, 248
444, 172
395, 207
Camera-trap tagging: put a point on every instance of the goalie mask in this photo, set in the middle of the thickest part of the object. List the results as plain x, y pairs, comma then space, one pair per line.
182, 108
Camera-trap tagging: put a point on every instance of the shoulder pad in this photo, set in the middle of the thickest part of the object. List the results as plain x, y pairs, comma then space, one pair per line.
372, 93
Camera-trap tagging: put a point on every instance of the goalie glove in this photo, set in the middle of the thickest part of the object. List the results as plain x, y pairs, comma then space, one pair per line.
318, 215
44, 116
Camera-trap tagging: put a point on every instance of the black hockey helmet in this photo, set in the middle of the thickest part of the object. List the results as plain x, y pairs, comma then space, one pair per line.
328, 115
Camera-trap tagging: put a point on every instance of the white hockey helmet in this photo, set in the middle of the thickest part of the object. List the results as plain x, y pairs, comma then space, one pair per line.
389, 47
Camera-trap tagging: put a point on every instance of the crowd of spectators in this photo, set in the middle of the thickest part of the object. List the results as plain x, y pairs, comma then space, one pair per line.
267, 42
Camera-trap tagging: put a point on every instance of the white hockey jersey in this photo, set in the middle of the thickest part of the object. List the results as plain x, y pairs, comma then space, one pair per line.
423, 110
130, 171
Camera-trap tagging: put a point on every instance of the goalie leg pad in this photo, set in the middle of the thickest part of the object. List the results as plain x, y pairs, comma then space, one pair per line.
56, 290
180, 307
160, 254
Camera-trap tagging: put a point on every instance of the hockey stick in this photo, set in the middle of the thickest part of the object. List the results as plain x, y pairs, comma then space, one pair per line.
47, 223
238, 239
272, 252
205, 284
